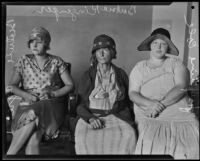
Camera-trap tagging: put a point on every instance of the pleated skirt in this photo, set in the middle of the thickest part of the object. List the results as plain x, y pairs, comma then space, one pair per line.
180, 139
118, 137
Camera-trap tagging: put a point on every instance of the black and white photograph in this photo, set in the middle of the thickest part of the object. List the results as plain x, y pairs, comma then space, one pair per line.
100, 80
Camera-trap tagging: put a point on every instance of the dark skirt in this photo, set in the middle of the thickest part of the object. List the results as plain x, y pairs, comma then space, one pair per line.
48, 114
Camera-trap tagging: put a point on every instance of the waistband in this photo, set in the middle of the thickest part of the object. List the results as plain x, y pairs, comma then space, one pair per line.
102, 113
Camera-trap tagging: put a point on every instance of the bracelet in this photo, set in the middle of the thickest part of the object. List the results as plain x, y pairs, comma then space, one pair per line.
162, 104
9, 89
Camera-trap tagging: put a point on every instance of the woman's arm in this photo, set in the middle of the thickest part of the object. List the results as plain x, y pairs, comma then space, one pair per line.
84, 90
84, 112
150, 107
69, 85
140, 100
14, 84
182, 79
145, 103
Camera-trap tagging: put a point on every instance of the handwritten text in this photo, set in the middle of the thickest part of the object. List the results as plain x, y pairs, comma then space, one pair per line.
10, 40
193, 70
87, 10
192, 31
191, 43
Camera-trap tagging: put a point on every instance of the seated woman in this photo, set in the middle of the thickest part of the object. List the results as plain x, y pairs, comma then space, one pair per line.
158, 88
105, 124
45, 82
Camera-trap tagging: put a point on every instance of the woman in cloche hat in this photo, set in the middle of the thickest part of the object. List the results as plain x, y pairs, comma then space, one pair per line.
45, 81
105, 122
157, 87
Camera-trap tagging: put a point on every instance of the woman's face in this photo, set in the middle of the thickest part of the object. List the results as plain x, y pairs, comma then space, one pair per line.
37, 46
158, 48
103, 55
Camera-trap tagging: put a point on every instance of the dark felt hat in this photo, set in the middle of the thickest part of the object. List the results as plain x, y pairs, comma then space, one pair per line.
104, 41
159, 33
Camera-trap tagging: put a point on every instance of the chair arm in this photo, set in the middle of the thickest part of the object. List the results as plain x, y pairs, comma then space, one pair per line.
72, 104
193, 92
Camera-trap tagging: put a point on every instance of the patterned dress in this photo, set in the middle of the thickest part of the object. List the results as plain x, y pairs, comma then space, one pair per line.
175, 131
48, 112
118, 137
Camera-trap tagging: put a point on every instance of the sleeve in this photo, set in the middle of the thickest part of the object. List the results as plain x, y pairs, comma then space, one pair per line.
178, 64
62, 66
180, 70
125, 77
18, 67
83, 101
135, 79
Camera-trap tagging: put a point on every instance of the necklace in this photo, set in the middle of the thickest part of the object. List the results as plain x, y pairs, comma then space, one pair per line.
104, 80
153, 65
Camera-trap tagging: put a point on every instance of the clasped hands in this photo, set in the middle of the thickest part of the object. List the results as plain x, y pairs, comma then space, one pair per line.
96, 123
154, 108
46, 94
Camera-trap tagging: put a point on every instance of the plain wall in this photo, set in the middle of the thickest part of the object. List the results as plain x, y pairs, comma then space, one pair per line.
73, 40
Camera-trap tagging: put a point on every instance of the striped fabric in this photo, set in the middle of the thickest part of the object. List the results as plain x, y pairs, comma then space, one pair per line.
118, 137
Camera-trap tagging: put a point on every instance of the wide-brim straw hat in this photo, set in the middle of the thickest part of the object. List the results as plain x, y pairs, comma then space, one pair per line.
159, 33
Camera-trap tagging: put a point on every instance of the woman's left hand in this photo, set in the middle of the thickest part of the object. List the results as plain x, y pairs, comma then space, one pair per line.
97, 123
151, 112
154, 109
47, 93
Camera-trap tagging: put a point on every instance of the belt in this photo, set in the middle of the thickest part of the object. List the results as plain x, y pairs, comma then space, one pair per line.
102, 113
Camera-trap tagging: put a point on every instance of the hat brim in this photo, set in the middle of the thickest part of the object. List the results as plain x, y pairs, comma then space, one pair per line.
145, 45
94, 49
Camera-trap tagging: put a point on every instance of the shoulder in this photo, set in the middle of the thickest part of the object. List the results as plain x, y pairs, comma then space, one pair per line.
58, 60
87, 78
177, 66
174, 59
90, 72
175, 63
139, 66
55, 57
119, 71
24, 57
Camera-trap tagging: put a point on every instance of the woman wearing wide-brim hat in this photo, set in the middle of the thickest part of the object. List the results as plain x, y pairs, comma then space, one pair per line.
105, 122
157, 87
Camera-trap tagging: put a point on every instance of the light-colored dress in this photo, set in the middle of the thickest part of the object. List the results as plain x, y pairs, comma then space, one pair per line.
175, 131
118, 137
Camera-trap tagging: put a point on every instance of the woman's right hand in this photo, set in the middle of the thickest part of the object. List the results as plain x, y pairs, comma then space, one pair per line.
30, 98
97, 123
